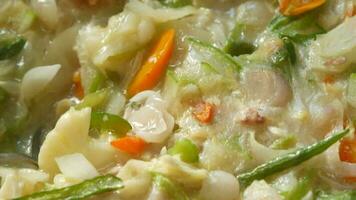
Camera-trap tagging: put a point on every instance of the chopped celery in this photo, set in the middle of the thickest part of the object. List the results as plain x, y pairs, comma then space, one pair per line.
284, 142
79, 191
302, 187
176, 3
109, 122
221, 61
171, 87
170, 188
97, 82
187, 150
93, 99
11, 44
340, 195
290, 160
237, 43
351, 90
298, 29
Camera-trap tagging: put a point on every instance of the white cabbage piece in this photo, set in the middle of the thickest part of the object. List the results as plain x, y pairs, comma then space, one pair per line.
47, 11
333, 12
19, 182
261, 153
127, 32
76, 166
179, 171
260, 190
150, 120
335, 50
36, 79
116, 103
69, 136
136, 177
156, 194
220, 185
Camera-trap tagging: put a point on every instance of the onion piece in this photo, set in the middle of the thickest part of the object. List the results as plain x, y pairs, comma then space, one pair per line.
47, 11
159, 14
76, 166
36, 79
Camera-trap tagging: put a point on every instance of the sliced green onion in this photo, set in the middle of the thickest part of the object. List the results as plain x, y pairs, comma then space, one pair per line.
237, 43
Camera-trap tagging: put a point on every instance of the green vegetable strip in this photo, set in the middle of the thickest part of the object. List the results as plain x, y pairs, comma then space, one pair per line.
170, 188
176, 3
215, 51
187, 151
80, 191
109, 122
237, 44
93, 99
290, 160
10, 44
341, 195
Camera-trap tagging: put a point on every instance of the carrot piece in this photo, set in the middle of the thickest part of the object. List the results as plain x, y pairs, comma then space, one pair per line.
297, 7
155, 66
78, 88
350, 179
347, 150
130, 144
329, 79
204, 112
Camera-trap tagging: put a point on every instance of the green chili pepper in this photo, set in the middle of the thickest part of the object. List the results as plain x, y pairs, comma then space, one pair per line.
109, 122
80, 191
290, 160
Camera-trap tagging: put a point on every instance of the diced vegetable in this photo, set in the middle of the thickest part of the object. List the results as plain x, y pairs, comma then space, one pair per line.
237, 43
93, 99
176, 3
298, 29
341, 195
11, 44
16, 15
186, 149
297, 7
347, 150
130, 144
155, 66
351, 90
78, 88
204, 112
284, 142
76, 166
97, 81
285, 58
290, 160
222, 62
299, 190
170, 188
109, 122
80, 191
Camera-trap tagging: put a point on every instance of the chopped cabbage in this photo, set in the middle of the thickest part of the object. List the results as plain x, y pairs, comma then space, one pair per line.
109, 47
70, 135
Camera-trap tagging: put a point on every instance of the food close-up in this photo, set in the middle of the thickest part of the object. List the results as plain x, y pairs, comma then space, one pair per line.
178, 99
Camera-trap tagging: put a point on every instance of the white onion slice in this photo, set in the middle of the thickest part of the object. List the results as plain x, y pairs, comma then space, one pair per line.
36, 79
